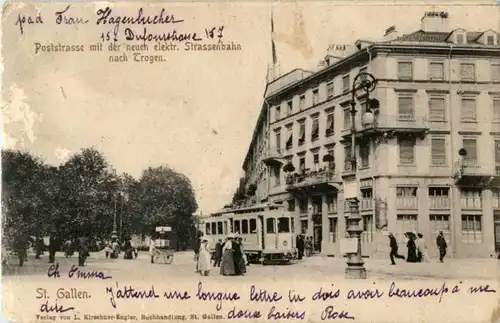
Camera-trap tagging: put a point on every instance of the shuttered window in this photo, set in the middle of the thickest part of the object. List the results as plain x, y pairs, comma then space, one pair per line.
405, 70
436, 71
495, 72
289, 142
346, 83
329, 124
468, 111
329, 90
278, 141
470, 146
467, 72
490, 40
437, 109
302, 133
496, 109
438, 151
302, 102
315, 96
347, 119
405, 108
497, 152
407, 151
347, 158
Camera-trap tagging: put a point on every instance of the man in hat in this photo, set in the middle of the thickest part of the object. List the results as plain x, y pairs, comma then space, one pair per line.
441, 244
394, 249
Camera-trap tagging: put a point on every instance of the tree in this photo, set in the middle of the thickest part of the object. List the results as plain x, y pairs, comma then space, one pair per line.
165, 197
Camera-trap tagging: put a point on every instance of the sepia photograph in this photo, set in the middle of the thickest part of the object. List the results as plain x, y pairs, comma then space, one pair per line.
250, 161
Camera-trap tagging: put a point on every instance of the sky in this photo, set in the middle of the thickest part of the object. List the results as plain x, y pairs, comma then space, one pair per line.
196, 111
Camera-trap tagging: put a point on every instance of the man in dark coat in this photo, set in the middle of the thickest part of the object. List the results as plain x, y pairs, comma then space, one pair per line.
441, 244
394, 249
53, 247
83, 251
38, 247
21, 242
300, 242
238, 256
218, 253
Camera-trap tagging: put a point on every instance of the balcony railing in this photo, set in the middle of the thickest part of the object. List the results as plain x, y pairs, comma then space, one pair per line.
439, 202
407, 203
317, 209
471, 203
312, 177
404, 121
366, 203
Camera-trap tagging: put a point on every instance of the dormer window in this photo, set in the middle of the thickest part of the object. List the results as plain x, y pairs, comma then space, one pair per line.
460, 39
490, 40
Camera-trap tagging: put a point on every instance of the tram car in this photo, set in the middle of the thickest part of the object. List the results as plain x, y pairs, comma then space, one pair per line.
267, 232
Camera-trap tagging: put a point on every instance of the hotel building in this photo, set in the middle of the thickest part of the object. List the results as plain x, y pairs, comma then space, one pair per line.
427, 160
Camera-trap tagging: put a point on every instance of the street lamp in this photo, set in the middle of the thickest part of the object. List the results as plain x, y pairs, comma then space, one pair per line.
365, 82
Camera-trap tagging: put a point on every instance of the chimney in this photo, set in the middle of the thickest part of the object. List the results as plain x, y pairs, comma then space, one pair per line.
390, 33
435, 21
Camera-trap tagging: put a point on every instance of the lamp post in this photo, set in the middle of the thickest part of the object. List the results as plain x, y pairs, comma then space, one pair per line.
114, 233
355, 265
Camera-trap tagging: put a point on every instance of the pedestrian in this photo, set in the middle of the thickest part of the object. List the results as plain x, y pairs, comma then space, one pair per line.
239, 259
127, 247
203, 263
309, 246
227, 265
83, 250
412, 248
21, 247
108, 249
394, 249
136, 252
300, 245
152, 249
197, 246
39, 246
115, 246
417, 246
218, 253
53, 246
441, 244
422, 246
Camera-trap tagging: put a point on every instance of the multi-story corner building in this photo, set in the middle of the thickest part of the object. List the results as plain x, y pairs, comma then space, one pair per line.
427, 160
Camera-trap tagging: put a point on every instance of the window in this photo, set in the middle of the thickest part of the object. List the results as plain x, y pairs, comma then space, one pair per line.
347, 119
347, 158
471, 229
315, 96
278, 140
436, 71
302, 132
467, 72
468, 111
277, 112
330, 90
333, 230
346, 83
490, 40
460, 39
364, 152
316, 159
219, 228
291, 205
405, 70
331, 203
497, 157
470, 146
289, 107
407, 151
214, 227
367, 235
495, 72
253, 225
405, 108
496, 110
405, 223
289, 142
244, 226
439, 198
331, 165
330, 124
207, 229
270, 225
406, 198
237, 228
315, 129
304, 225
277, 176
366, 202
302, 163
438, 151
283, 225
302, 102
440, 222
437, 109
471, 199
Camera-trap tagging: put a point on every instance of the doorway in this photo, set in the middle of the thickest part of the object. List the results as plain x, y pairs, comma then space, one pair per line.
317, 232
497, 231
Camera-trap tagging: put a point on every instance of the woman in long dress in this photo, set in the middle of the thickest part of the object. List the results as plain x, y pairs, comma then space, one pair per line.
422, 246
203, 265
243, 261
227, 266
412, 249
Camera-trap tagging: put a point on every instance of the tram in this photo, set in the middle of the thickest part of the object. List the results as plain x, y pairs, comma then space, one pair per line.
267, 232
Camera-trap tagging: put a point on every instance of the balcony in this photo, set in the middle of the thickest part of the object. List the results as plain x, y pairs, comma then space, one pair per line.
312, 180
273, 157
402, 123
407, 203
439, 203
469, 172
366, 204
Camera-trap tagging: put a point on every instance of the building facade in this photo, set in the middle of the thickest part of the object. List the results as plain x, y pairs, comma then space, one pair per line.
427, 160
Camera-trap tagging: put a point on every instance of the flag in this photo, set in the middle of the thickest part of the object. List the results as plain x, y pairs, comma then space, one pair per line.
273, 46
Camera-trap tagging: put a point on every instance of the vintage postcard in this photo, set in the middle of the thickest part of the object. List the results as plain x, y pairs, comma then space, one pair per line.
250, 162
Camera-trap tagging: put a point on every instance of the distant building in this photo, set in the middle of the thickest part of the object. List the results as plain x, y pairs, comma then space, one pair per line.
439, 92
